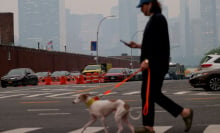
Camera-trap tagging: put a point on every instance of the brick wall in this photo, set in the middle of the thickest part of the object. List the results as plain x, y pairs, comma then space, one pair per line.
42, 60
6, 28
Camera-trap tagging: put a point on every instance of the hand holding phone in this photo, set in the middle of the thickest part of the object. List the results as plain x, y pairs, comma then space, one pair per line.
127, 44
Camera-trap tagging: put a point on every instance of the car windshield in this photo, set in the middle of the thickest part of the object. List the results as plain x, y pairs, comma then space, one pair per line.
75, 73
16, 72
42, 74
58, 73
92, 67
134, 70
172, 69
207, 58
115, 70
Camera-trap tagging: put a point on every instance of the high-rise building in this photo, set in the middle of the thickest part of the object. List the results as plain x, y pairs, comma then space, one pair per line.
208, 25
42, 24
194, 9
218, 20
128, 22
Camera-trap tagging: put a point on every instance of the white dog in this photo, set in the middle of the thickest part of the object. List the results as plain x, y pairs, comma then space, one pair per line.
102, 108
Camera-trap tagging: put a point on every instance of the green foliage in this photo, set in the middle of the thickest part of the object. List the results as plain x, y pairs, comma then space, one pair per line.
213, 51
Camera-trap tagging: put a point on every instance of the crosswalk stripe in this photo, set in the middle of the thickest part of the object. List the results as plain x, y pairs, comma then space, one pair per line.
158, 129
181, 92
132, 93
73, 94
35, 110
212, 129
21, 130
12, 96
61, 94
206, 94
88, 130
161, 129
36, 95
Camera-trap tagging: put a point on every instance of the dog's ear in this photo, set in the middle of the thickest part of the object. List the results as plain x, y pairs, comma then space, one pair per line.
84, 96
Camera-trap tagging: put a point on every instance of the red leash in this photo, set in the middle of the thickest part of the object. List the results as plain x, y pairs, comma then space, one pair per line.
122, 82
146, 106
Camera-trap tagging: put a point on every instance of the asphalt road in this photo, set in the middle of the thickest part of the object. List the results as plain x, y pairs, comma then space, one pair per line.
49, 109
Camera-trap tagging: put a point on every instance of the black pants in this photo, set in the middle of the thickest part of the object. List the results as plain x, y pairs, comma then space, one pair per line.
156, 96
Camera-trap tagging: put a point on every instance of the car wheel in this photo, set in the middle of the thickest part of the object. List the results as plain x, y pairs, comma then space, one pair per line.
3, 85
214, 84
35, 82
24, 83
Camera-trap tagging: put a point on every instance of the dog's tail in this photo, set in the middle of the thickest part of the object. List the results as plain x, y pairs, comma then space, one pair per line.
138, 114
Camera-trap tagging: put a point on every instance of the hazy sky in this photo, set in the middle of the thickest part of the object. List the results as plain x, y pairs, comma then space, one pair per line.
84, 7
104, 6
89, 6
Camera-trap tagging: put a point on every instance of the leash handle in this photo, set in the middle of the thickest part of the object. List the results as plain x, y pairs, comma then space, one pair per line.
146, 106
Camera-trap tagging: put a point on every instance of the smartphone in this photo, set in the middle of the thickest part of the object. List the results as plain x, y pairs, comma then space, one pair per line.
127, 44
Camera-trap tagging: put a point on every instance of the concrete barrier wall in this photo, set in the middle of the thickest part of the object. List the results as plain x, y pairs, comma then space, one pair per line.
42, 60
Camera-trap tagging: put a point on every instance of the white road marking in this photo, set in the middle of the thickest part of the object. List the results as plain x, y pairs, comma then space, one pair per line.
181, 92
12, 96
61, 94
214, 105
88, 130
162, 129
22, 130
33, 110
212, 129
158, 129
36, 95
43, 114
132, 93
206, 94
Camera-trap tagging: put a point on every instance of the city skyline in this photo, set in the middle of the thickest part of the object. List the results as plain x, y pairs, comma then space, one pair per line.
98, 7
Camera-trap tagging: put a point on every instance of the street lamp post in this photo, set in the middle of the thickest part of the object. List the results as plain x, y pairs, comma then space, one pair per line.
97, 39
132, 38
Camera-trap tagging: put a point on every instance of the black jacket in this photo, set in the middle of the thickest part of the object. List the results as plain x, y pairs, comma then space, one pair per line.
155, 44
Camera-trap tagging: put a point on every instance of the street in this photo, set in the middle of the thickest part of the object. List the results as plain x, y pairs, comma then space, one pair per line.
49, 108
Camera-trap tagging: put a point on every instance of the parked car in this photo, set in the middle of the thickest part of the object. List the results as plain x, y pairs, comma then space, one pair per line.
75, 73
167, 76
207, 79
56, 75
210, 62
42, 75
19, 76
136, 77
116, 74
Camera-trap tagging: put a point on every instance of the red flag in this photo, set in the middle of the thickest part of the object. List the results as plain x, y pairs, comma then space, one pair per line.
50, 42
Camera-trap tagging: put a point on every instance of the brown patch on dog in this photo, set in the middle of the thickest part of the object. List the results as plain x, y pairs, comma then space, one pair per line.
126, 106
83, 97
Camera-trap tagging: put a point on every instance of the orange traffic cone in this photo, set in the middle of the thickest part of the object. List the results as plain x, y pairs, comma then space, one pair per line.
81, 79
48, 80
63, 80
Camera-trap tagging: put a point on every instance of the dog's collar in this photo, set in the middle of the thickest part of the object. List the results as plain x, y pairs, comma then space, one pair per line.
90, 102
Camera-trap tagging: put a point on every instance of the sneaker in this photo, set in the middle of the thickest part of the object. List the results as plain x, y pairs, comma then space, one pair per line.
188, 121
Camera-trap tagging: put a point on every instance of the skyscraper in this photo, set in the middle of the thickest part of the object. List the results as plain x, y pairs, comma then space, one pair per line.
218, 19
185, 44
42, 22
128, 21
208, 24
